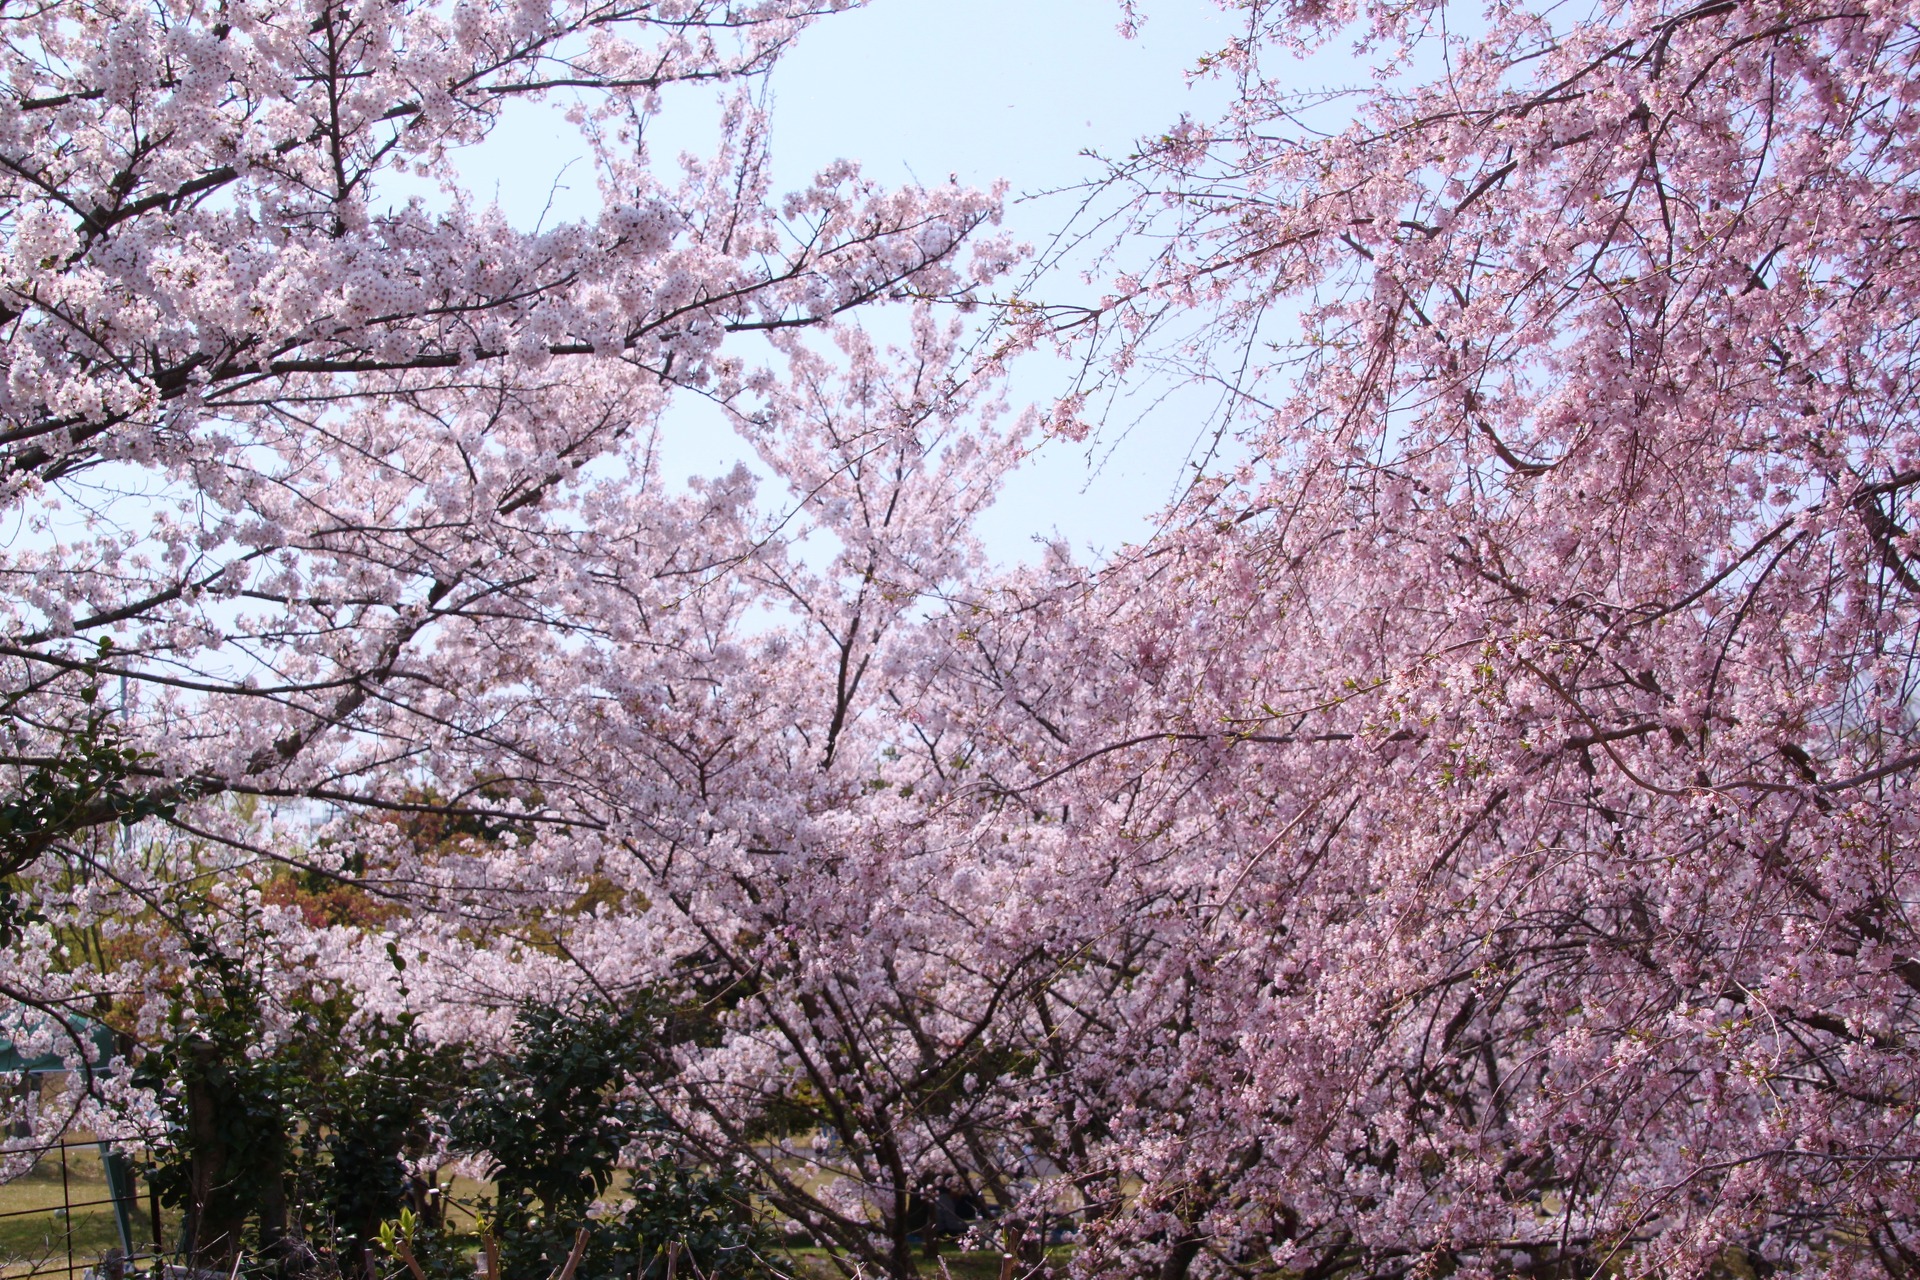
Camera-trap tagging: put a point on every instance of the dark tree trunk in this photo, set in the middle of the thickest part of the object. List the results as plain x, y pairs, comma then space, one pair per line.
275, 1242
1180, 1257
210, 1234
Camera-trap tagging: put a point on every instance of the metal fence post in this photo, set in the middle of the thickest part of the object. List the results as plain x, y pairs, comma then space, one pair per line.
66, 1208
119, 1171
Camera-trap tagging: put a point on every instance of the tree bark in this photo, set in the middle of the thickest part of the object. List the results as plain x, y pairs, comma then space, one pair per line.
211, 1232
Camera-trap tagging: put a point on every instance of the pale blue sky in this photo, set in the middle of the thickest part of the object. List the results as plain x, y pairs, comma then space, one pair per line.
1014, 89
981, 89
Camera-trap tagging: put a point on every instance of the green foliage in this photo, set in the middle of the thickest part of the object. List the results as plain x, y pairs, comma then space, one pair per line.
307, 1144
555, 1116
427, 1245
360, 1122
230, 1112
707, 1213
305, 1148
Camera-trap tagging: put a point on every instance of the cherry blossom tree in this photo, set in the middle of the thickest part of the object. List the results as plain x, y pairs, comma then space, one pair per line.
301, 471
353, 419
1503, 773
339, 516
1476, 835
746, 829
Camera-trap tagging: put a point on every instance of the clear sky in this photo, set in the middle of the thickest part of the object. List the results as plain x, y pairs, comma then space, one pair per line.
980, 89
1013, 89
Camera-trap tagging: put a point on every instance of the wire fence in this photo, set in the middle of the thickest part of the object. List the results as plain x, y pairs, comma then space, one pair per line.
76, 1212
